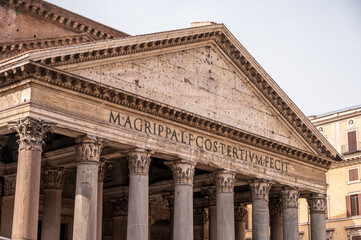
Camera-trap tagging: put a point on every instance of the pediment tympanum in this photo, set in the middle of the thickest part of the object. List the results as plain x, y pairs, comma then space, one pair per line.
200, 81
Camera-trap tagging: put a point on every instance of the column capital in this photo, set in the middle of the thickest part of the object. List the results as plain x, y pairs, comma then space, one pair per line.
120, 206
260, 189
290, 197
9, 185
103, 166
139, 161
240, 212
53, 178
224, 181
276, 207
317, 203
88, 148
31, 132
183, 171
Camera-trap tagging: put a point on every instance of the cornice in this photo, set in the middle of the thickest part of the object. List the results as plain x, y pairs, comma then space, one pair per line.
8, 49
60, 78
64, 18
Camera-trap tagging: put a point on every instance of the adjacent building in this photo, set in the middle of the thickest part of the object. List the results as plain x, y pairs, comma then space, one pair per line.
341, 128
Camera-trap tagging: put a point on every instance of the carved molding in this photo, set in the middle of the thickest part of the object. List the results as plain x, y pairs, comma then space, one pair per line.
329, 233
183, 171
260, 189
290, 197
200, 216
31, 132
224, 181
53, 178
317, 204
276, 208
118, 96
88, 148
240, 213
139, 161
120, 206
103, 166
9, 185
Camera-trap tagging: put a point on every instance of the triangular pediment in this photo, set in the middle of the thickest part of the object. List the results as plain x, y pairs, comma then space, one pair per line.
199, 81
203, 72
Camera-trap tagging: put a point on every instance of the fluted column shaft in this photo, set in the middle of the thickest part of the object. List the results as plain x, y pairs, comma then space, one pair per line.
260, 212
53, 182
317, 204
225, 205
240, 214
138, 204
88, 149
26, 207
276, 215
290, 213
183, 174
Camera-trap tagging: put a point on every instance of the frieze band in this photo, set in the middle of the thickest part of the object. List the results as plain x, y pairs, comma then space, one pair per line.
201, 142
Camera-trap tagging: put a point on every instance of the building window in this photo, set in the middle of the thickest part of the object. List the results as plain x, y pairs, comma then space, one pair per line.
353, 205
353, 175
351, 141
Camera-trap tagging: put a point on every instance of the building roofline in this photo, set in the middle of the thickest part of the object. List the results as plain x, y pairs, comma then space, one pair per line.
312, 117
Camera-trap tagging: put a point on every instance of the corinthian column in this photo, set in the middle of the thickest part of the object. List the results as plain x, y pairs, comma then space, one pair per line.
53, 183
138, 212
88, 149
317, 204
183, 173
240, 213
26, 210
260, 214
103, 165
225, 205
290, 213
276, 214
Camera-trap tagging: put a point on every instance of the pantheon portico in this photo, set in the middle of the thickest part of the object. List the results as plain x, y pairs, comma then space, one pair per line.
160, 136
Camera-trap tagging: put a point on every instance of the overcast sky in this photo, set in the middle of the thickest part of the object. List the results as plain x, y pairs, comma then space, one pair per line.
311, 48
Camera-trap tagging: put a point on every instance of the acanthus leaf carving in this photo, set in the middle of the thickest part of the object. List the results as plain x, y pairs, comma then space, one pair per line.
9, 185
103, 166
276, 207
260, 189
31, 132
183, 171
290, 197
225, 181
88, 148
139, 161
240, 213
53, 178
317, 203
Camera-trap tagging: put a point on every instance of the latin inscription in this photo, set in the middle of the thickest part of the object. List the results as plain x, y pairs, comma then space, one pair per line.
198, 141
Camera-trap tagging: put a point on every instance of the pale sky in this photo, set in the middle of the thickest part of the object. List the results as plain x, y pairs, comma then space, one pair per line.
311, 48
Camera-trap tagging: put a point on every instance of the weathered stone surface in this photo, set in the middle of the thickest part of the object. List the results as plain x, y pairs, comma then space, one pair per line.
196, 80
